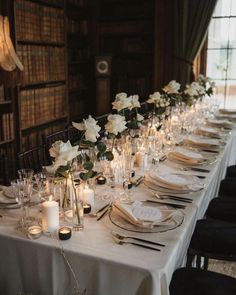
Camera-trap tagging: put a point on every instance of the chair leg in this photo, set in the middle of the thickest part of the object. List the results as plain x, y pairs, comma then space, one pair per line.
198, 261
190, 258
205, 263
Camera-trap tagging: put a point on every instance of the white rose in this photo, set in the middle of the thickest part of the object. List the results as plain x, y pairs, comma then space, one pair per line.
58, 147
154, 98
90, 127
116, 123
139, 117
63, 152
134, 99
191, 90
172, 88
121, 102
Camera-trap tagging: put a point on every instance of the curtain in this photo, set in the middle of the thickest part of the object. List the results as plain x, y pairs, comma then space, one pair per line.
191, 21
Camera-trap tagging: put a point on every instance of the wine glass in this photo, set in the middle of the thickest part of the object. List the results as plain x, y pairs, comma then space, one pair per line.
25, 174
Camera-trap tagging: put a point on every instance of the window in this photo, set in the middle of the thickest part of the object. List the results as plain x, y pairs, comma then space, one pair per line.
221, 52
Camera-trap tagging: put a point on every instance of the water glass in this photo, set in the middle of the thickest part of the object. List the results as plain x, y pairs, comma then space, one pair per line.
26, 174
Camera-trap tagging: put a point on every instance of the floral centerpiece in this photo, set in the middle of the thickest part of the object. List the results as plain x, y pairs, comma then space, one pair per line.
130, 103
193, 92
64, 154
89, 133
172, 91
206, 83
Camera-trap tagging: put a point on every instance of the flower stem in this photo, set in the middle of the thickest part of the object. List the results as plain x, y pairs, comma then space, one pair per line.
76, 200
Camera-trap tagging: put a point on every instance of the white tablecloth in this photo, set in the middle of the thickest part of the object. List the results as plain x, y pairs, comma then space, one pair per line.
102, 267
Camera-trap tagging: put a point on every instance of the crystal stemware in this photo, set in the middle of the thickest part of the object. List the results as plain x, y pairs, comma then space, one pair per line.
25, 174
25, 193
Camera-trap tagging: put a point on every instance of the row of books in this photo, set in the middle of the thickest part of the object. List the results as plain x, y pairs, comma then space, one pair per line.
34, 138
41, 63
2, 97
35, 22
6, 127
42, 105
78, 27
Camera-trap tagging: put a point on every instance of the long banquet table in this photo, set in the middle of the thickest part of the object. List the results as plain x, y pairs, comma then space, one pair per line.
100, 265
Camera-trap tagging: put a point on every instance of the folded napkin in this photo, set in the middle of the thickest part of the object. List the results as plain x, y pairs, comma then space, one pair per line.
228, 111
186, 156
143, 216
170, 181
220, 123
198, 141
207, 131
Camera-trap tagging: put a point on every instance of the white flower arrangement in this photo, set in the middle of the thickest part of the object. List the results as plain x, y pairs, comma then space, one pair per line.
116, 124
90, 127
194, 90
134, 102
63, 154
158, 100
207, 83
172, 87
121, 102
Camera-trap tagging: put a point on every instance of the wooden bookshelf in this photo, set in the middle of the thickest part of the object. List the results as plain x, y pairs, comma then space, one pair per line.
126, 33
79, 58
41, 46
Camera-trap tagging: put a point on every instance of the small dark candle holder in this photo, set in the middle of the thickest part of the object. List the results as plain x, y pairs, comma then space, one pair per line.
132, 173
87, 208
64, 233
101, 180
127, 185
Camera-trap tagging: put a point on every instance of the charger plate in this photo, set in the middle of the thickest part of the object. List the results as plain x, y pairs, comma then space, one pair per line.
174, 222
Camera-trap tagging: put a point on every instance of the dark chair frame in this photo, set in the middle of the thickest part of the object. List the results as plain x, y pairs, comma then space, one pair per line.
34, 159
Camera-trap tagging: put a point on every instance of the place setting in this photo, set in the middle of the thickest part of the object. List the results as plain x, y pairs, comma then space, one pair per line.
145, 217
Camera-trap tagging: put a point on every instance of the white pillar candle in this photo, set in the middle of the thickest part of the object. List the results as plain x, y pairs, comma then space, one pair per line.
50, 216
88, 196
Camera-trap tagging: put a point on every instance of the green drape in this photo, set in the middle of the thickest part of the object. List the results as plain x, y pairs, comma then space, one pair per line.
191, 21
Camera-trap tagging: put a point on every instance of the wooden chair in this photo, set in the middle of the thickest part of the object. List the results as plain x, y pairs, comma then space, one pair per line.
4, 173
48, 140
34, 158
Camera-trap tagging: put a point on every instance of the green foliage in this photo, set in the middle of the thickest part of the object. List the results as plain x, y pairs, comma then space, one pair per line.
109, 155
88, 174
88, 165
101, 147
133, 124
63, 171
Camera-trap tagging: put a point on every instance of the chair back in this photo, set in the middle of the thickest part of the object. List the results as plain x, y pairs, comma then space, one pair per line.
48, 140
4, 173
73, 134
34, 158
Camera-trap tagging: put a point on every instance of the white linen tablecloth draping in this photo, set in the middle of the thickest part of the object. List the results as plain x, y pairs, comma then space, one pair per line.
37, 267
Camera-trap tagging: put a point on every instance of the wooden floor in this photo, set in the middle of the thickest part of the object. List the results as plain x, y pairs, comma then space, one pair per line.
228, 268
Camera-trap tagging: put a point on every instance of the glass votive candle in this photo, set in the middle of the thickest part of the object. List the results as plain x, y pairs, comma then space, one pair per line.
64, 233
101, 180
35, 231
